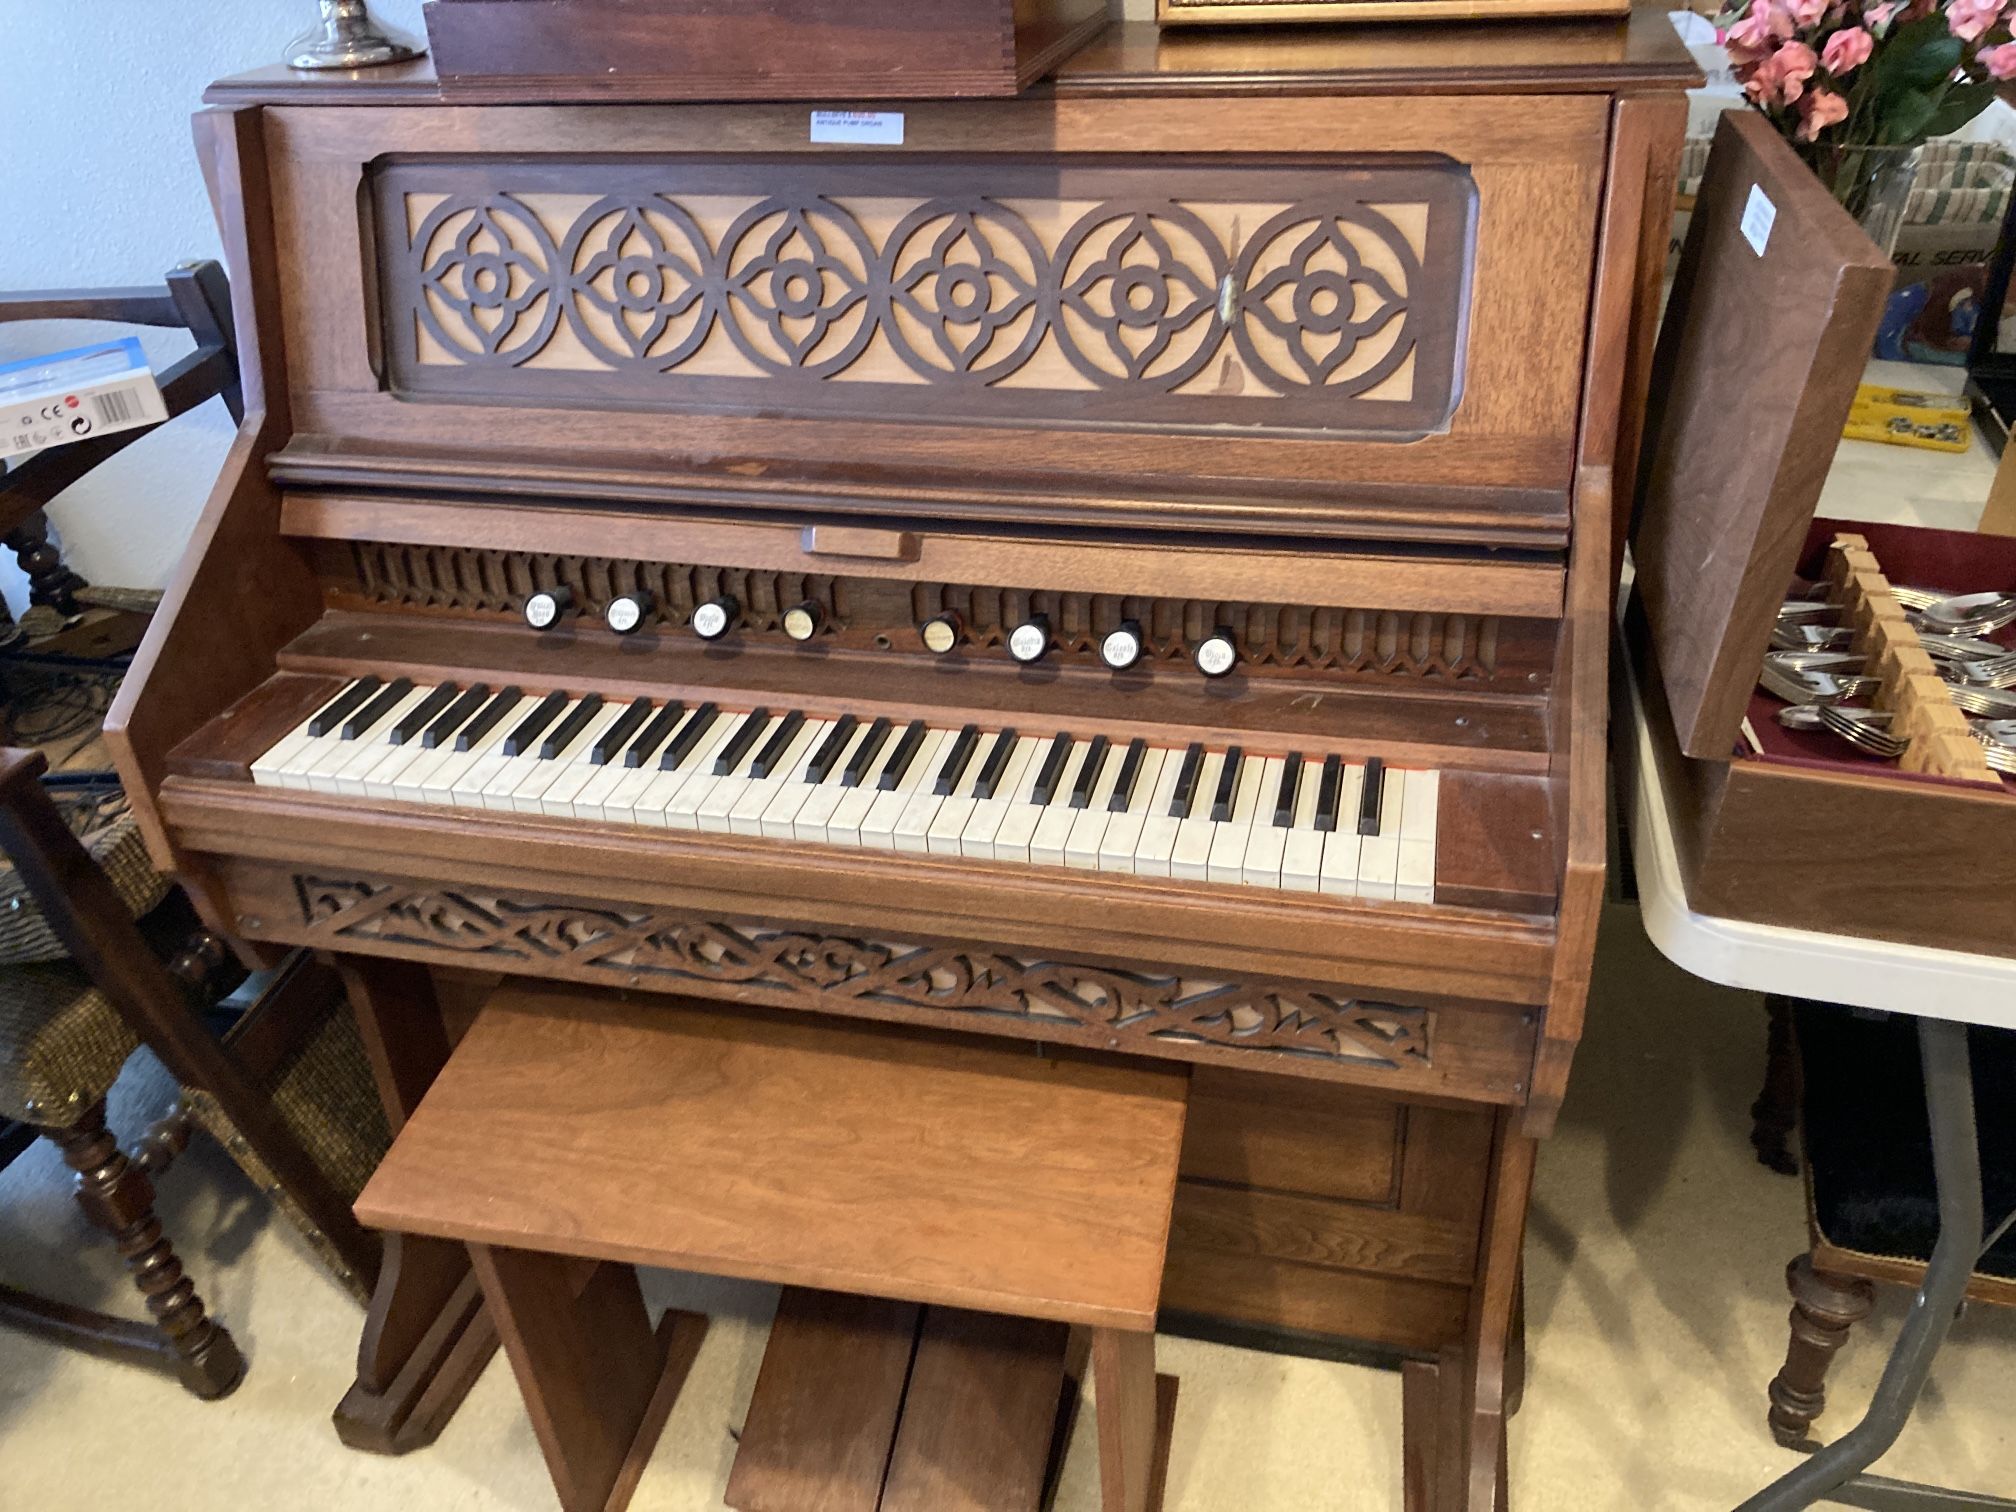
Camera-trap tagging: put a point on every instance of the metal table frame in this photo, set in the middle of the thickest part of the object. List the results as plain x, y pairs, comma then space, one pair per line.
1945, 991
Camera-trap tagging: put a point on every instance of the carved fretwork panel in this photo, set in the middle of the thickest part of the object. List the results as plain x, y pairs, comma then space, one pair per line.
1322, 297
883, 613
630, 946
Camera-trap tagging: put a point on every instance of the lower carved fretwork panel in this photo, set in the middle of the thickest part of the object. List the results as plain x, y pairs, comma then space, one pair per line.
1293, 1028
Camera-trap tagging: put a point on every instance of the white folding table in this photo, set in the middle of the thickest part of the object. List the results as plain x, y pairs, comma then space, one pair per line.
1944, 991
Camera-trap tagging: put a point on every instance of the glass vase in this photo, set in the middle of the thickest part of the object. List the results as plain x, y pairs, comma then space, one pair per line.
1874, 185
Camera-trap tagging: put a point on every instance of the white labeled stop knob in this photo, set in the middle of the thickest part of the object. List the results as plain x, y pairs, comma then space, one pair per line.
1028, 641
1217, 653
940, 633
626, 613
544, 608
715, 618
802, 622
1122, 648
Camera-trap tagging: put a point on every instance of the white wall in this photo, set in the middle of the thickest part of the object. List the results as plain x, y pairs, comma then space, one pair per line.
100, 187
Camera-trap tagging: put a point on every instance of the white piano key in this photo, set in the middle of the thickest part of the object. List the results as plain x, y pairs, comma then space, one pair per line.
823, 802
1191, 856
1227, 859
1302, 849
274, 768
844, 828
1340, 847
1379, 855
462, 778
366, 751
1089, 824
731, 787
1052, 833
1123, 831
788, 775
551, 789
611, 795
664, 788
384, 775
1158, 832
1018, 825
1260, 864
512, 770
1006, 837
1414, 880
682, 808
913, 825
878, 827
956, 812
977, 839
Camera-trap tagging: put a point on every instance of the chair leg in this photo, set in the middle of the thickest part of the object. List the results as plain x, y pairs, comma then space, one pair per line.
1824, 1308
117, 1196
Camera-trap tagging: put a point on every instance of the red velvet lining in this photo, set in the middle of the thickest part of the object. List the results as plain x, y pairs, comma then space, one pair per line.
1958, 561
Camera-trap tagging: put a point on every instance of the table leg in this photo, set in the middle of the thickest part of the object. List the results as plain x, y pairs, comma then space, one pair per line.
1835, 1472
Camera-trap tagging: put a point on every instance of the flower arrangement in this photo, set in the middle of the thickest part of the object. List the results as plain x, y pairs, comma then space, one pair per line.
1854, 85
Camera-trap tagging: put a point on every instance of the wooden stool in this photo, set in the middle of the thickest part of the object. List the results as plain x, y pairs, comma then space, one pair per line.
951, 1211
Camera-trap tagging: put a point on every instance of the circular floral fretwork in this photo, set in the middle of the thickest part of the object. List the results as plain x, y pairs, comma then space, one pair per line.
796, 274
624, 267
1144, 280
1307, 283
486, 279
965, 273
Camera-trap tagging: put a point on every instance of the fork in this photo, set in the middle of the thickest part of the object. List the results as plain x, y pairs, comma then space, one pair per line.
2000, 758
1815, 687
1862, 733
1916, 598
1988, 703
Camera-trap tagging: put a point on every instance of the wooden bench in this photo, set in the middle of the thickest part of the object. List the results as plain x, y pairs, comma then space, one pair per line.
943, 1215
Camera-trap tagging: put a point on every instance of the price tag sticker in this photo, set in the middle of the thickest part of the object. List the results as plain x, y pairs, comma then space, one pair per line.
867, 128
1759, 215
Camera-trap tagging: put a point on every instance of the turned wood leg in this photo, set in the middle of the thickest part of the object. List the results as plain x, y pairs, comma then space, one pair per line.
117, 1196
1824, 1308
1776, 1112
426, 1335
598, 1384
49, 580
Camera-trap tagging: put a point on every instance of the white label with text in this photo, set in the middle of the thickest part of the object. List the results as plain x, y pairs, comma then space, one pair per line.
867, 128
1758, 216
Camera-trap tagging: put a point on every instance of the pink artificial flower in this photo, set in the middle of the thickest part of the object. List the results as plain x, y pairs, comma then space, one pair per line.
1846, 51
1819, 110
1807, 12
1748, 39
2000, 61
1878, 16
1795, 63
1969, 19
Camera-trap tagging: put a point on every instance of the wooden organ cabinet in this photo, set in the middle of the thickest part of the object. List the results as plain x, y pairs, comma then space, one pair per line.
1236, 420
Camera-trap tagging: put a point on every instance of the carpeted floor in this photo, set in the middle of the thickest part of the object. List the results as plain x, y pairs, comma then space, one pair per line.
1656, 1310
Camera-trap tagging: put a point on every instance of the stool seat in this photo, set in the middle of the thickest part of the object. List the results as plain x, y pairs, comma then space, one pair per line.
772, 1147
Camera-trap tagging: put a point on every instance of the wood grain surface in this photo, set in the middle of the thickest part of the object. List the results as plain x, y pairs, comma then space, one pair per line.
772, 1149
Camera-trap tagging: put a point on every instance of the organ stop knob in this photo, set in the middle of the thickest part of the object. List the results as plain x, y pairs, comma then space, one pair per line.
716, 618
1123, 647
1028, 641
1217, 653
543, 610
627, 612
802, 622
940, 633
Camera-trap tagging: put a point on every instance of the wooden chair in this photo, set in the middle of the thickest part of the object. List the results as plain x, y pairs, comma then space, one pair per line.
1865, 1153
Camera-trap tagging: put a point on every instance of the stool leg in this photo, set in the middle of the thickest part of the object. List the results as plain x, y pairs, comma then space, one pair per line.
117, 1196
1824, 1308
597, 1384
1133, 1408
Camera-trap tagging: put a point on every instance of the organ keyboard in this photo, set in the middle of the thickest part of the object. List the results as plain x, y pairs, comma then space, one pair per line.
1126, 569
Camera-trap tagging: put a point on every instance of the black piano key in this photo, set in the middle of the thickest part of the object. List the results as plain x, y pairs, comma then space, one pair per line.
526, 736
741, 742
338, 708
957, 759
778, 743
1130, 773
467, 737
458, 714
654, 734
1053, 770
832, 748
1328, 793
1186, 782
1228, 786
1371, 800
610, 741
862, 762
417, 718
690, 735
904, 754
376, 709
1291, 784
569, 729
1088, 773
996, 763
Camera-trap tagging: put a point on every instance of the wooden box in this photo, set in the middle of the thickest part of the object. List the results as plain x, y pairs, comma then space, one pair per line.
1247, 12
681, 50
1774, 308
